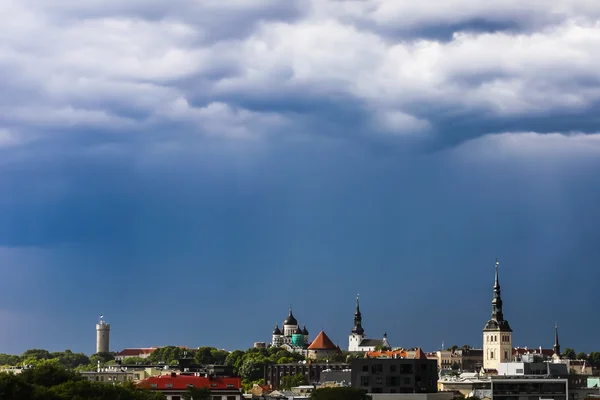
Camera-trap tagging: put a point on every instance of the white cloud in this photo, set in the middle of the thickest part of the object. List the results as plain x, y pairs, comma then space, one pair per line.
530, 146
400, 123
8, 138
98, 63
222, 119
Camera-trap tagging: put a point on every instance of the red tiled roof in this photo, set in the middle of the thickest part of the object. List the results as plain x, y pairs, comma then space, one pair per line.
419, 355
182, 382
135, 352
322, 342
385, 353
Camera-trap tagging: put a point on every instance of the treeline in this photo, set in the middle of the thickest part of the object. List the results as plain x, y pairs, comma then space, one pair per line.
248, 364
49, 380
593, 358
67, 358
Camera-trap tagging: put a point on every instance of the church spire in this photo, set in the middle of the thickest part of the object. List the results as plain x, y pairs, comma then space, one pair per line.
497, 314
556, 346
358, 329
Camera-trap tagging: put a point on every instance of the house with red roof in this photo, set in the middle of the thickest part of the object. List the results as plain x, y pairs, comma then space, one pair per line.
174, 386
134, 352
322, 347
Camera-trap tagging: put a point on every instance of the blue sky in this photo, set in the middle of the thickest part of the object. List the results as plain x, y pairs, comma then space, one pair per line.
191, 168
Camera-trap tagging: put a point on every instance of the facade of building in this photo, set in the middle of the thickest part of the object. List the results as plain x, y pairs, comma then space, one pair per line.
467, 384
529, 388
131, 352
174, 386
311, 371
102, 336
292, 338
376, 375
322, 347
357, 341
109, 375
497, 333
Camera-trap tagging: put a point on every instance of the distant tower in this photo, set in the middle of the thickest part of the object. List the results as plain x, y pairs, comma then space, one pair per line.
358, 333
102, 336
556, 346
497, 333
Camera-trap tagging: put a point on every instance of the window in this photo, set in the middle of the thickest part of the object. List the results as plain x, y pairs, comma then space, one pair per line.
190, 385
153, 385
169, 385
379, 380
230, 385
491, 355
175, 397
365, 368
364, 381
406, 381
392, 368
231, 397
377, 369
406, 369
392, 381
505, 354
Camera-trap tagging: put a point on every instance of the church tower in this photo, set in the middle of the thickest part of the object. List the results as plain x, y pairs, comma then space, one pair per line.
556, 346
358, 333
497, 334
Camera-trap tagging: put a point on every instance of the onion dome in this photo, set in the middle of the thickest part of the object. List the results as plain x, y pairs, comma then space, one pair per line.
290, 320
276, 331
298, 331
305, 331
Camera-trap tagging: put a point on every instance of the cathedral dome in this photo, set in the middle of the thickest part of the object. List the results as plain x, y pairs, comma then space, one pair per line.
298, 331
305, 331
290, 320
276, 331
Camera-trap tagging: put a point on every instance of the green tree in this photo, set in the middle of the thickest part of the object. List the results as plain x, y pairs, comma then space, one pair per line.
252, 369
169, 354
197, 394
71, 360
235, 359
339, 393
9, 359
569, 353
594, 359
13, 387
219, 356
103, 357
134, 361
289, 381
49, 373
37, 354
581, 356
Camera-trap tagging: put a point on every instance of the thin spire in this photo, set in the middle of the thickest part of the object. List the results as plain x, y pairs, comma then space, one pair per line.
556, 343
357, 303
496, 283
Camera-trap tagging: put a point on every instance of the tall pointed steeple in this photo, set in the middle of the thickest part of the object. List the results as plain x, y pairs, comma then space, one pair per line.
358, 329
556, 346
497, 300
497, 321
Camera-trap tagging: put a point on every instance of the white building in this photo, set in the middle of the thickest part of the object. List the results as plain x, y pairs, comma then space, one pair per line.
357, 341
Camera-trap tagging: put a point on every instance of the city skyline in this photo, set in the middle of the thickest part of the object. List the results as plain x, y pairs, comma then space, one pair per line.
190, 168
102, 320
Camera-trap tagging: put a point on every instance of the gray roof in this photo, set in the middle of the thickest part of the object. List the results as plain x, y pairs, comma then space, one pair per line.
373, 342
